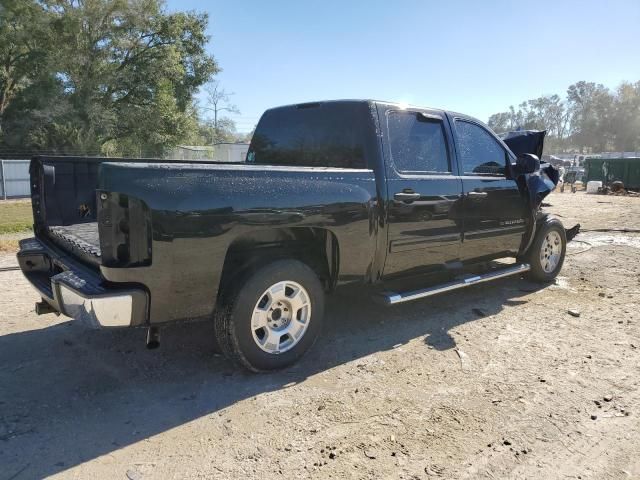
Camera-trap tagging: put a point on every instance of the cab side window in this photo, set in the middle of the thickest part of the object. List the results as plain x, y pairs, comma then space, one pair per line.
479, 153
417, 143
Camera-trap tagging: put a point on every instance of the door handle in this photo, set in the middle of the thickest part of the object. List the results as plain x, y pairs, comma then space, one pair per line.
407, 196
477, 194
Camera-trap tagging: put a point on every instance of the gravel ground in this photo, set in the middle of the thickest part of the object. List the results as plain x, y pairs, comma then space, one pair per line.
497, 381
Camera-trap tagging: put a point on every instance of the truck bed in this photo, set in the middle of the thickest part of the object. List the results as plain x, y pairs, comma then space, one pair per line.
81, 239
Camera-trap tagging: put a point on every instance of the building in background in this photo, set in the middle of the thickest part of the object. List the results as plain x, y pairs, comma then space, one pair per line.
220, 152
14, 178
231, 152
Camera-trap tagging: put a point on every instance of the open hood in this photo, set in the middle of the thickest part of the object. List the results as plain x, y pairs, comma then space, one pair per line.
525, 141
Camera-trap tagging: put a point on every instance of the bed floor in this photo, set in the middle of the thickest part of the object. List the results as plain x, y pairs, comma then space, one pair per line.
81, 239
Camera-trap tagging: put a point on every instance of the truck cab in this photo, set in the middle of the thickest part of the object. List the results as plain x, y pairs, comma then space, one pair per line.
450, 198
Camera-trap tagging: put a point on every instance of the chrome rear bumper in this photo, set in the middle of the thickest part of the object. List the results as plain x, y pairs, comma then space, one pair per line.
78, 291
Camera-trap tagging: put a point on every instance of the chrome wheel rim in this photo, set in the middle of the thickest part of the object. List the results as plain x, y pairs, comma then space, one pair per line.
281, 317
551, 251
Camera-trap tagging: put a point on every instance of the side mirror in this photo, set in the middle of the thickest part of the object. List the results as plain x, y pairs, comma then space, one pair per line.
526, 163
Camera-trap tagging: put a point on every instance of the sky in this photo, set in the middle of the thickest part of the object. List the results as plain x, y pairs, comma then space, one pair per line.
474, 57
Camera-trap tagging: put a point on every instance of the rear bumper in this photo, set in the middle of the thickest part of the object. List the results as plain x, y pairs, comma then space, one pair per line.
78, 291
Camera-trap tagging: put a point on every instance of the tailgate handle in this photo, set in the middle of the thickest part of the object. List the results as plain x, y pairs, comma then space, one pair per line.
407, 196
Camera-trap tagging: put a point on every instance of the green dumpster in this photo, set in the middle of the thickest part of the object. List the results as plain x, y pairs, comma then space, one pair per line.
609, 170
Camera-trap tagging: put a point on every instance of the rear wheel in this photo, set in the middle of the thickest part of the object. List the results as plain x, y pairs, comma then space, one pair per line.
546, 254
273, 318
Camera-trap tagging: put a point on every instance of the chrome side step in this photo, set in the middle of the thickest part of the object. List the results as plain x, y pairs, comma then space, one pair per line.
394, 298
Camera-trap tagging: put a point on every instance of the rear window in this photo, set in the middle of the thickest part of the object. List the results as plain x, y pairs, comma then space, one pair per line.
313, 135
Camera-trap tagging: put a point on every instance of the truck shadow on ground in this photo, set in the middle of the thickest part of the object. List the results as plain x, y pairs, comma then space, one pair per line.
69, 395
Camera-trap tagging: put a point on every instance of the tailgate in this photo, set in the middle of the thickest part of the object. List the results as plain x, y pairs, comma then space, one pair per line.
71, 212
63, 192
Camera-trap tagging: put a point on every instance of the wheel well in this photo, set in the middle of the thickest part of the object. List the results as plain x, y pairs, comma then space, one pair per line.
316, 247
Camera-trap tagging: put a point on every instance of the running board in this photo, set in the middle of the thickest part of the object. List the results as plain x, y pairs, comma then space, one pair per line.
393, 298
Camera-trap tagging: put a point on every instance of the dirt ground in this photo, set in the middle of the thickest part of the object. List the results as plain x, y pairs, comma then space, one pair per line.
496, 381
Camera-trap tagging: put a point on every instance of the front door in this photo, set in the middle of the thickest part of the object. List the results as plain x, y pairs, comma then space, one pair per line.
495, 213
424, 205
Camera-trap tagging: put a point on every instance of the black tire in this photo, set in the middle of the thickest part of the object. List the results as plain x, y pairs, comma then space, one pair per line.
538, 273
233, 320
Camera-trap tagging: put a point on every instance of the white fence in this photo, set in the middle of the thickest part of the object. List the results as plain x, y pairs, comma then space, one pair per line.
14, 179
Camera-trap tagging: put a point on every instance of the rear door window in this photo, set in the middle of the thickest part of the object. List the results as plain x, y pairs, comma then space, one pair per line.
312, 135
478, 152
417, 143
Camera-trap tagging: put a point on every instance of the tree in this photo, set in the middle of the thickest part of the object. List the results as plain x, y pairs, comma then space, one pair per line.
500, 122
591, 118
542, 113
225, 133
590, 109
23, 39
121, 80
626, 117
548, 113
246, 138
218, 100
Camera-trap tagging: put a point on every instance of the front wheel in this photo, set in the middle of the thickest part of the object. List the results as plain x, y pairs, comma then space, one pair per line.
273, 318
546, 254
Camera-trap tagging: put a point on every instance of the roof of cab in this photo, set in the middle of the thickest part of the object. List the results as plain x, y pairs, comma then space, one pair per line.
399, 105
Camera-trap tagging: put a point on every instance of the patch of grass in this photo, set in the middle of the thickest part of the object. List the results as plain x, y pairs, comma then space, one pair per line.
8, 246
15, 216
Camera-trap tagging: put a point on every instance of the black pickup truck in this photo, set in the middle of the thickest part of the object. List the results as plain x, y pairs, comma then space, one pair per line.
331, 193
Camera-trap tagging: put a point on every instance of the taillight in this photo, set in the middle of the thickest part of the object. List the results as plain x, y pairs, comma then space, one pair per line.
124, 224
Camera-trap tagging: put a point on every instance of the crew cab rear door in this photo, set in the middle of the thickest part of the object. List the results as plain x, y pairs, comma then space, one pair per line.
495, 212
424, 228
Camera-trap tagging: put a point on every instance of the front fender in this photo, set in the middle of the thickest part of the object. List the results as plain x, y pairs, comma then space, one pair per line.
541, 219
